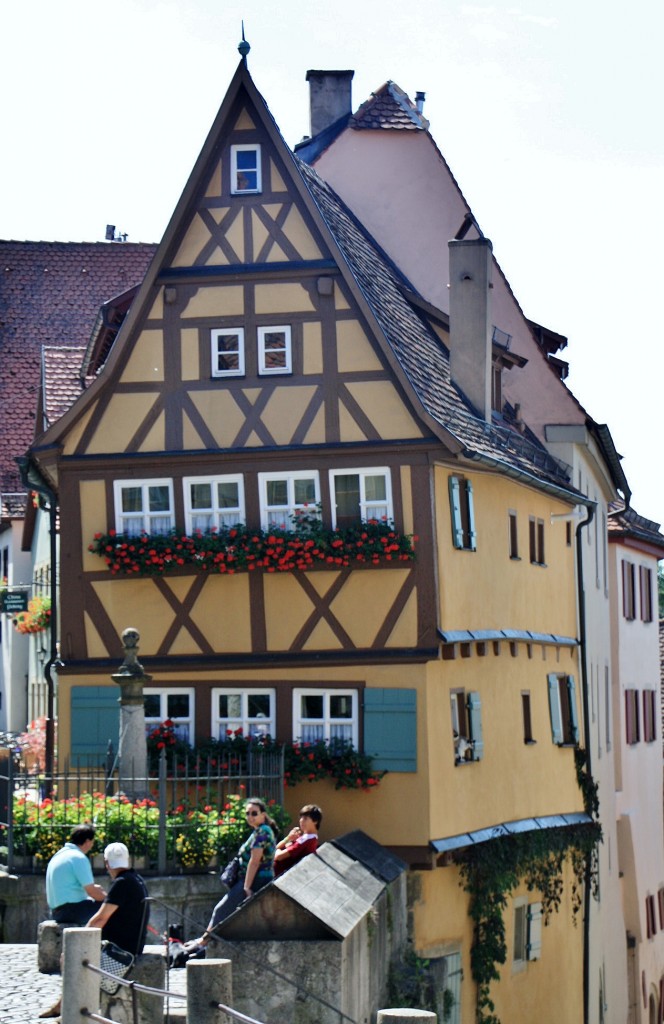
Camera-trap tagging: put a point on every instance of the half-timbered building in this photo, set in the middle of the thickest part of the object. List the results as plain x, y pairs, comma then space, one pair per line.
277, 369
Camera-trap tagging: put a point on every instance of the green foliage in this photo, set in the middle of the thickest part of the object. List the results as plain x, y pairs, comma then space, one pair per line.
194, 834
491, 871
411, 982
309, 762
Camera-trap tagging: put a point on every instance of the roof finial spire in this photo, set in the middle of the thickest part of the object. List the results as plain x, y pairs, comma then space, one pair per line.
244, 46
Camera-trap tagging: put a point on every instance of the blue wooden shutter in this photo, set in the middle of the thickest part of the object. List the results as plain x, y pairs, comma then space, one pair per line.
554, 709
455, 508
475, 720
95, 719
534, 946
573, 717
390, 729
472, 535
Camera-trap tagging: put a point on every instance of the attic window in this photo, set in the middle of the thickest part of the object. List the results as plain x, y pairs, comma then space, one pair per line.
227, 352
245, 169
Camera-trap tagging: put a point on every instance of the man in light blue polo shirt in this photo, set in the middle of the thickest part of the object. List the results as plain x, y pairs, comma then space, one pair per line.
71, 892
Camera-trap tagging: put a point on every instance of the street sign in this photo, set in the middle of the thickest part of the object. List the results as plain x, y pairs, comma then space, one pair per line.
14, 601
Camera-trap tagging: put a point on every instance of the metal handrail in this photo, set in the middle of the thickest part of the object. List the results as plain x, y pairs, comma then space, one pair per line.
135, 985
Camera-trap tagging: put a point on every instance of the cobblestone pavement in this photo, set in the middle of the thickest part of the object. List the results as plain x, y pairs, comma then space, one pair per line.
24, 992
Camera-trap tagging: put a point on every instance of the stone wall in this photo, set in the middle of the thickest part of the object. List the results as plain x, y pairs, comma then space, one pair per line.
23, 903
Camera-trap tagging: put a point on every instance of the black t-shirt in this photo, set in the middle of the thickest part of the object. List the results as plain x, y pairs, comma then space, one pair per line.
127, 927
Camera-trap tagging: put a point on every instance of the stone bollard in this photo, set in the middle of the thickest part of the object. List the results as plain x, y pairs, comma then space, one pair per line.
149, 969
209, 982
403, 1015
49, 947
80, 986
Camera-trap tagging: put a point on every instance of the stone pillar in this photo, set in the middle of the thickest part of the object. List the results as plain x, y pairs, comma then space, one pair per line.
209, 983
80, 986
132, 751
403, 1015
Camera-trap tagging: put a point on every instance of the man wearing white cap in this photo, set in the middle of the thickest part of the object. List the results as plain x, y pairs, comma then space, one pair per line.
123, 916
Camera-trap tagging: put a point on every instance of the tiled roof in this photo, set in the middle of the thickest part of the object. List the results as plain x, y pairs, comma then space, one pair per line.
62, 379
423, 358
388, 107
50, 293
625, 522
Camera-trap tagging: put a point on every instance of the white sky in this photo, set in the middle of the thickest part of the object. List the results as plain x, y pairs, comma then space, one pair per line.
549, 114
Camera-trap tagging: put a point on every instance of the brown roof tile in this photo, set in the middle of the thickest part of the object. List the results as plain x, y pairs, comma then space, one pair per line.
50, 294
389, 107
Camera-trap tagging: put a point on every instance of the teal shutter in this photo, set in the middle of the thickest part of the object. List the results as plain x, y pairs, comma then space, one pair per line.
554, 709
390, 729
455, 508
95, 719
534, 946
472, 535
573, 718
475, 720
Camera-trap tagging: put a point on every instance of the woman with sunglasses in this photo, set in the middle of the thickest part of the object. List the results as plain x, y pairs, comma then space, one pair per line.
256, 857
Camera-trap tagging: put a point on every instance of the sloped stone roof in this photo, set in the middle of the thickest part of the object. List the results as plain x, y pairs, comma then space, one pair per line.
422, 356
388, 107
50, 293
625, 522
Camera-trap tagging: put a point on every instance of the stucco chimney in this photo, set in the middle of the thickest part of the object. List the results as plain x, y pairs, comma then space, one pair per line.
329, 98
470, 320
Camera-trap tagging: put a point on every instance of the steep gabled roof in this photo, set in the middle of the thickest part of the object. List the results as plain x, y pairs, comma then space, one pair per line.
420, 354
416, 356
50, 293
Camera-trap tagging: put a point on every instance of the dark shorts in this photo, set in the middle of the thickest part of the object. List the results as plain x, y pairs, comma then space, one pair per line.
77, 914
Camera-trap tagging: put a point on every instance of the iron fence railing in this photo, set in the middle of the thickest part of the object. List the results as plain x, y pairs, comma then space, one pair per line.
183, 815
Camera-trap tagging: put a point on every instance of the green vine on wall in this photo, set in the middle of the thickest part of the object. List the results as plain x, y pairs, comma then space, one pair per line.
490, 871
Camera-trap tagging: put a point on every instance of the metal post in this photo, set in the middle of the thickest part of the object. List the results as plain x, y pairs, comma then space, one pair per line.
209, 983
10, 814
161, 851
80, 986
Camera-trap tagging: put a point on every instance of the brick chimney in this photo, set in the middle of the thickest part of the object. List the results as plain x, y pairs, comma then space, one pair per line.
329, 98
470, 320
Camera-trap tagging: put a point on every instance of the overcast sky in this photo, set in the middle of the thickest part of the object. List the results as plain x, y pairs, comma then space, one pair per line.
549, 114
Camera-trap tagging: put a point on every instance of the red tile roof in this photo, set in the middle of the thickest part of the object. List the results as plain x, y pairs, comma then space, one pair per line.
62, 380
50, 294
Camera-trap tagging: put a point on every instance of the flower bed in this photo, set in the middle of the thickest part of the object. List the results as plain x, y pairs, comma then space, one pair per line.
230, 551
303, 762
36, 618
194, 835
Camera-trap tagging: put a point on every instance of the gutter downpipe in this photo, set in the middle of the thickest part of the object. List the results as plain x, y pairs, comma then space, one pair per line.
586, 729
34, 481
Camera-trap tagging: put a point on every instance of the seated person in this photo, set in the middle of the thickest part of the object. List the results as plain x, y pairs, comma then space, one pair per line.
300, 840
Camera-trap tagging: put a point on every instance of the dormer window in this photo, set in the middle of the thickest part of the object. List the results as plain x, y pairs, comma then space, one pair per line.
227, 352
245, 169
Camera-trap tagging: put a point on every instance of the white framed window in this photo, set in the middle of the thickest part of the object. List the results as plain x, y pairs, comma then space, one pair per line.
245, 169
325, 715
227, 351
274, 350
143, 506
527, 932
251, 711
562, 709
466, 711
174, 704
213, 502
283, 495
359, 495
462, 509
